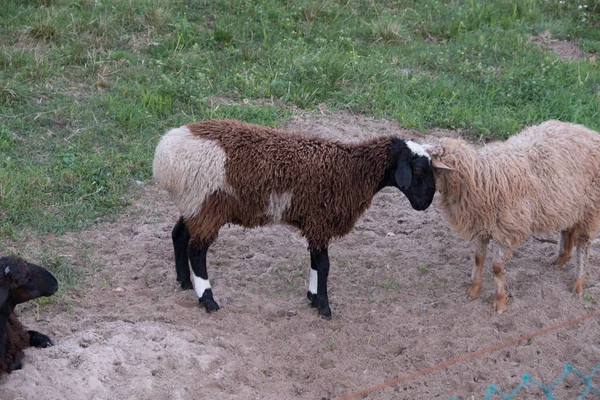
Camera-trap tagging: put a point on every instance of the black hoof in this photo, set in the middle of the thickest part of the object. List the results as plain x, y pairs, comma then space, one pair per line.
208, 302
39, 340
325, 312
186, 285
312, 298
321, 304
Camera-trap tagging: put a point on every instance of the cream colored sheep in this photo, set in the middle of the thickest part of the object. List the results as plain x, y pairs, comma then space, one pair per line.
544, 179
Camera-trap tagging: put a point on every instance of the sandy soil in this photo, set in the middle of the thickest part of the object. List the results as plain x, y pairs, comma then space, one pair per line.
398, 295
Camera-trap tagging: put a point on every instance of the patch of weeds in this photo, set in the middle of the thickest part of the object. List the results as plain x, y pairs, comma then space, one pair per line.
315, 9
370, 298
222, 35
435, 283
157, 18
590, 46
330, 345
423, 269
44, 28
38, 3
389, 284
590, 298
390, 31
12, 92
288, 274
343, 262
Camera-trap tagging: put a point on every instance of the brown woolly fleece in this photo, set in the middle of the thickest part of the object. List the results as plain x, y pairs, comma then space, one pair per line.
13, 343
329, 183
544, 179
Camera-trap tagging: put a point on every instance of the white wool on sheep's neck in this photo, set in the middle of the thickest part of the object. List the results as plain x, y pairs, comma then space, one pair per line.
417, 149
200, 285
312, 284
204, 157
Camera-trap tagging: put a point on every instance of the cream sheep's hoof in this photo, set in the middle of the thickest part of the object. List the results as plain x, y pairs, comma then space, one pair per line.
500, 303
578, 286
473, 291
562, 260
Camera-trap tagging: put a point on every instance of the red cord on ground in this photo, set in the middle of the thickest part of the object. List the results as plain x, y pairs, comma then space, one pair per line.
469, 356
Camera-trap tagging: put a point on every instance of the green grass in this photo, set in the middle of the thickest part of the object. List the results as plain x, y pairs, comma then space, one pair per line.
87, 87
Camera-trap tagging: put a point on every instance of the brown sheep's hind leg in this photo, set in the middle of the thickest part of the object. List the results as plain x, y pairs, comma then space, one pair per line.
319, 263
181, 238
197, 255
311, 294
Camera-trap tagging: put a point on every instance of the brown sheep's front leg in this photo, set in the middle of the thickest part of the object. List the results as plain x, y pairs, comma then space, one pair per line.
16, 364
477, 274
39, 340
197, 255
501, 256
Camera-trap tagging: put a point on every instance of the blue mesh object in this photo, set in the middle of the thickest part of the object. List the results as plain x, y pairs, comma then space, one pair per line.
493, 392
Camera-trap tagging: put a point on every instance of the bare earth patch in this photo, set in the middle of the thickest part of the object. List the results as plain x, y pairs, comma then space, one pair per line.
398, 288
565, 49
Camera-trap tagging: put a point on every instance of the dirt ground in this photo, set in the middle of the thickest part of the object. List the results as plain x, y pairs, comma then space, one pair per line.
398, 288
567, 50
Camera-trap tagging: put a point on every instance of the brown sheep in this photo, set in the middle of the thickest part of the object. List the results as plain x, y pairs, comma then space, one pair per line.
544, 179
220, 172
20, 281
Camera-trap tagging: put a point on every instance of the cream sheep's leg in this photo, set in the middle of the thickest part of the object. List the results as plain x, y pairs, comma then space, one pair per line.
583, 254
477, 274
565, 247
501, 255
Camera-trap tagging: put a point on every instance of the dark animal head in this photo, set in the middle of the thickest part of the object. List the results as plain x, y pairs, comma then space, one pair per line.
21, 281
413, 173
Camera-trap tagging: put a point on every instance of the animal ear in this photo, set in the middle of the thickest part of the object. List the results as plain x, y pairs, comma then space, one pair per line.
436, 163
4, 291
403, 174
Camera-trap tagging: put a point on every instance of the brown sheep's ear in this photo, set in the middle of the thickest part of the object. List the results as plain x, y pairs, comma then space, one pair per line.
403, 175
440, 165
4, 292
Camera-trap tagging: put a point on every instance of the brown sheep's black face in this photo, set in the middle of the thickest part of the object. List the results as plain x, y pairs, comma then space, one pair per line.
21, 281
422, 188
414, 173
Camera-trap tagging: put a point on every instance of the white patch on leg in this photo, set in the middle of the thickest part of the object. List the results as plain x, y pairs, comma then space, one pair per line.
312, 284
418, 149
190, 168
278, 204
200, 285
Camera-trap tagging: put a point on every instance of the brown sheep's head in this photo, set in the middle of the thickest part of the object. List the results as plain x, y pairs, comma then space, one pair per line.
21, 281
